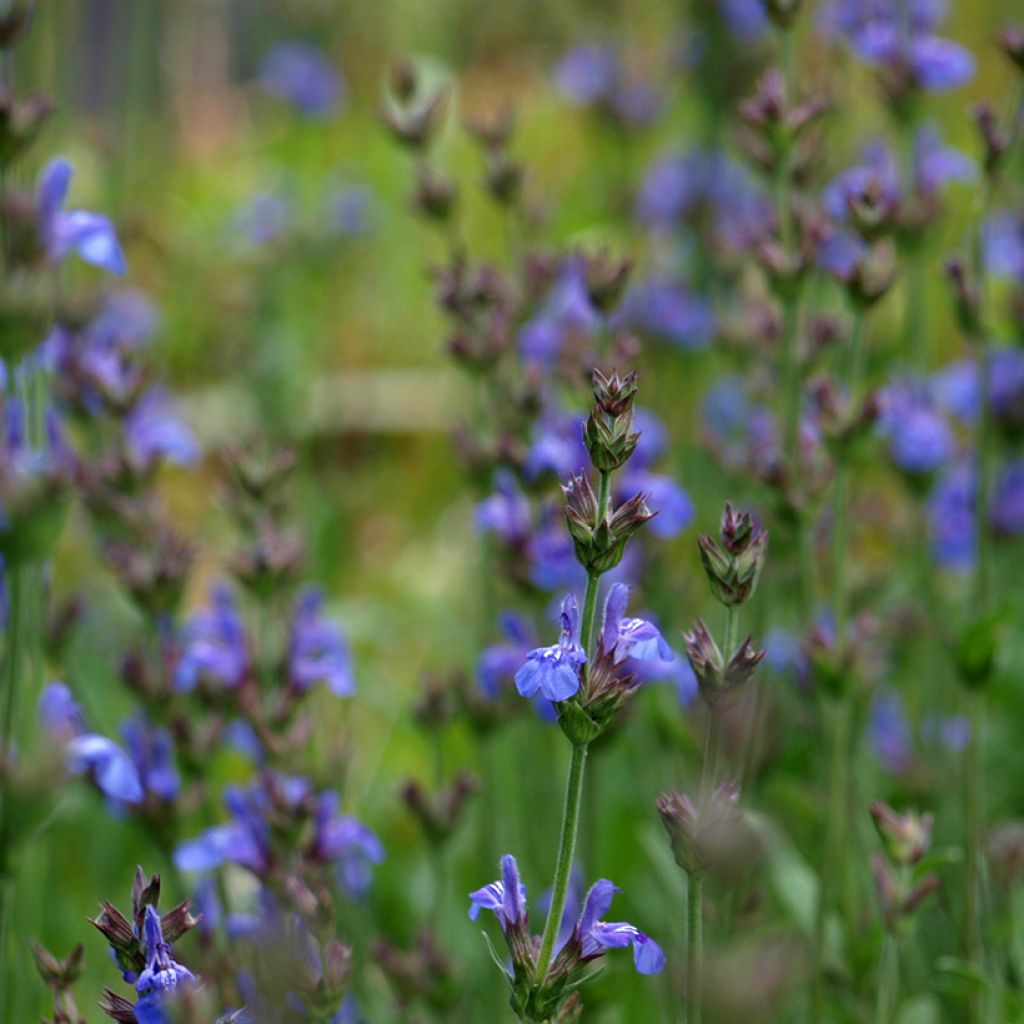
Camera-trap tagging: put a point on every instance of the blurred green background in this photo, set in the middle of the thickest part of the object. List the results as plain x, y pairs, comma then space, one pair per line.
337, 348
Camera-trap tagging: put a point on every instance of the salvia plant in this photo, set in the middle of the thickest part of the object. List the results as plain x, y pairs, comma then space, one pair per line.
388, 461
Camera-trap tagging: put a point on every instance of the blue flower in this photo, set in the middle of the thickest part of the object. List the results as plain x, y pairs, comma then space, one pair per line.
920, 439
498, 663
506, 512
1008, 500
110, 768
152, 752
344, 840
889, 732
300, 75
951, 517
596, 936
154, 431
664, 309
566, 311
162, 976
506, 898
900, 37
108, 765
215, 648
671, 502
623, 638
265, 218
61, 232
1003, 243
746, 19
554, 671
319, 652
592, 74
556, 447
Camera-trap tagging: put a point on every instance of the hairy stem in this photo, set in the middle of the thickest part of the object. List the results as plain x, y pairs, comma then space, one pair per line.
566, 852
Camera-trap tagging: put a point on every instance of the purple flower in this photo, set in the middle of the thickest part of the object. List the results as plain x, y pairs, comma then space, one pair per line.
920, 439
506, 898
951, 517
596, 936
553, 564
161, 976
1004, 244
109, 767
554, 671
557, 447
623, 638
664, 309
318, 650
1008, 501
61, 232
936, 164
266, 218
215, 648
349, 209
498, 663
344, 840
900, 37
746, 19
671, 502
889, 732
152, 752
244, 839
154, 431
592, 75
566, 311
877, 173
300, 75
506, 512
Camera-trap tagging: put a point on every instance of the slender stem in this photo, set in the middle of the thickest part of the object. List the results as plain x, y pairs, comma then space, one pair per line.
593, 577
566, 852
973, 951
888, 980
834, 828
694, 947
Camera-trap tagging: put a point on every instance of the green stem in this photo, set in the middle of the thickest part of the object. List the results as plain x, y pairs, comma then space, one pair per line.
694, 947
833, 849
594, 577
973, 952
888, 980
566, 852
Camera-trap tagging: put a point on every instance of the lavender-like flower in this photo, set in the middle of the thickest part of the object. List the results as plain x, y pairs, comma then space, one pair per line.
162, 976
300, 75
61, 232
554, 671
215, 649
623, 638
318, 651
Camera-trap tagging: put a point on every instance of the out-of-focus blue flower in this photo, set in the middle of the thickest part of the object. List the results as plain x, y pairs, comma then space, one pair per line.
841, 253
623, 638
62, 232
920, 439
653, 441
499, 663
955, 389
784, 653
553, 564
936, 164
300, 75
554, 671
1008, 500
889, 732
679, 186
746, 19
592, 74
1003, 243
596, 936
664, 309
671, 502
264, 219
952, 733
566, 311
345, 841
109, 767
349, 210
557, 446
215, 649
506, 512
951, 517
318, 650
155, 431
152, 752
743, 434
901, 37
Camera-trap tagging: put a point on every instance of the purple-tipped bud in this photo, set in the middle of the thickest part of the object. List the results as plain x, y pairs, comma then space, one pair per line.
994, 140
1011, 41
734, 566
906, 837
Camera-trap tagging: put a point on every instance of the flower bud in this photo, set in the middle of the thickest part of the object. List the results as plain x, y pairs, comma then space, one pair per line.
906, 837
734, 566
1011, 41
